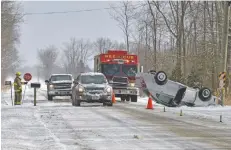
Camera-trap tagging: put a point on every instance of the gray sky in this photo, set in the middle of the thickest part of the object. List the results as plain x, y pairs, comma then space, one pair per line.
38, 31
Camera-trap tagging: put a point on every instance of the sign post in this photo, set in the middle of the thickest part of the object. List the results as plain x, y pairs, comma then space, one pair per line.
27, 77
222, 78
35, 85
10, 84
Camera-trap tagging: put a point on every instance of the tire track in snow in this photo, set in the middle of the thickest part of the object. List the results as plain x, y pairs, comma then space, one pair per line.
37, 116
220, 137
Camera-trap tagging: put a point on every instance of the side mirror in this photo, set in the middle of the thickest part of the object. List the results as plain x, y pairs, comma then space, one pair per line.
46, 81
75, 82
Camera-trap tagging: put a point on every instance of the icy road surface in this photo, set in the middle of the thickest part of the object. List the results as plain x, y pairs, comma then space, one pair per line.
57, 125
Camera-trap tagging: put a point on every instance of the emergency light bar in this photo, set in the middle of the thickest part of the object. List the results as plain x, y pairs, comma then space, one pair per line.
120, 61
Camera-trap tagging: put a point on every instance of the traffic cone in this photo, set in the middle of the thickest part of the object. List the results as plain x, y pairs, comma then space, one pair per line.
149, 105
113, 98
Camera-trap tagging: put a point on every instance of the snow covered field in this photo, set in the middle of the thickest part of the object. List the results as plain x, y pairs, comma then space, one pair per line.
58, 125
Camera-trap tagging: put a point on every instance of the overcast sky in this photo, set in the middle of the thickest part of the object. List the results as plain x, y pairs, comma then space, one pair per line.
38, 31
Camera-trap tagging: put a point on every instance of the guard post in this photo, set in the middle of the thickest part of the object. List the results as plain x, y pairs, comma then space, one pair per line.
222, 80
35, 86
11, 94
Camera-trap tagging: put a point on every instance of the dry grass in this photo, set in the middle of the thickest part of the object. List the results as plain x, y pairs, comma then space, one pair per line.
227, 101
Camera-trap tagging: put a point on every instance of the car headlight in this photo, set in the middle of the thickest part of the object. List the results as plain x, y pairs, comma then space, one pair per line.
132, 84
108, 89
51, 86
81, 89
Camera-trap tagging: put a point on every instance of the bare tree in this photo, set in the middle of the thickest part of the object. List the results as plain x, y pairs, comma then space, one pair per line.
47, 58
124, 17
77, 53
102, 44
11, 17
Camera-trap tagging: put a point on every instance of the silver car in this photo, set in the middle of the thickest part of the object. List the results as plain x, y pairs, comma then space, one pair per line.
173, 94
91, 87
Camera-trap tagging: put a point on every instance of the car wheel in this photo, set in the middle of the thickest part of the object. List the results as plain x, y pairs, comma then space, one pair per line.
160, 78
77, 102
123, 98
134, 98
50, 98
205, 94
104, 104
127, 98
110, 104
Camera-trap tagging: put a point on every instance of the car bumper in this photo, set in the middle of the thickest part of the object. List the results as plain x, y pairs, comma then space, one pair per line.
91, 98
119, 92
60, 93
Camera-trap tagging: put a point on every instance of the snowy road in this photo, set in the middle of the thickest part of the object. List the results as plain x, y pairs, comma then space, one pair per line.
58, 125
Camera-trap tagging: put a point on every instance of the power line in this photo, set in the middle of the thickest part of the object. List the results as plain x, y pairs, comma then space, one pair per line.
77, 11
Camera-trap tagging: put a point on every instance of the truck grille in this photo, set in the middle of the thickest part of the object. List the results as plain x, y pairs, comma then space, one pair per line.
89, 89
62, 86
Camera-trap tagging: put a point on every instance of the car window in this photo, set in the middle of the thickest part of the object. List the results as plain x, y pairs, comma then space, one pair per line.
96, 79
60, 78
164, 98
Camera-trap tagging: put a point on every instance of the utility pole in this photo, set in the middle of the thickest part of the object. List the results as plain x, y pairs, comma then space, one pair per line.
225, 34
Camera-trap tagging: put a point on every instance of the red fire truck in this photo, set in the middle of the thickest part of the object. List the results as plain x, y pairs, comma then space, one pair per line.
120, 69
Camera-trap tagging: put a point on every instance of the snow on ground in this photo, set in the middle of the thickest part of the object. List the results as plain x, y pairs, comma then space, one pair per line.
57, 125
210, 112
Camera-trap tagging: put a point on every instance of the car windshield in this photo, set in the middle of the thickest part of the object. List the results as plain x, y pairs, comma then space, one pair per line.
96, 79
130, 70
110, 69
60, 77
119, 79
164, 98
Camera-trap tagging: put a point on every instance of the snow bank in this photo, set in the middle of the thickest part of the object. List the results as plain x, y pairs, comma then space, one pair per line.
210, 112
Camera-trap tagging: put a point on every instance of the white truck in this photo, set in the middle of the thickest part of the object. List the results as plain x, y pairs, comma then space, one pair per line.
59, 85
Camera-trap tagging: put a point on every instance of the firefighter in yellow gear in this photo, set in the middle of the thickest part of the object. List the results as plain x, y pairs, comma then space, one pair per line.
17, 89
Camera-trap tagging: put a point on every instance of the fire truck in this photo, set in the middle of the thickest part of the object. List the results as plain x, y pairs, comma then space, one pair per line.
120, 69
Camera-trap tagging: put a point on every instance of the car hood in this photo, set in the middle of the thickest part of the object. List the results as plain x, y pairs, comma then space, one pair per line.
62, 81
94, 85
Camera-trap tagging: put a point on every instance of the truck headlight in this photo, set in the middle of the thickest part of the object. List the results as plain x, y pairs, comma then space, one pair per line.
51, 86
108, 89
81, 89
132, 84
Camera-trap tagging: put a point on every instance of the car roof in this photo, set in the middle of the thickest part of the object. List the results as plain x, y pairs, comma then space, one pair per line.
61, 74
91, 73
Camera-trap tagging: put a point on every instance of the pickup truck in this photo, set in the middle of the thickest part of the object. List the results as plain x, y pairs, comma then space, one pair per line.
59, 85
91, 87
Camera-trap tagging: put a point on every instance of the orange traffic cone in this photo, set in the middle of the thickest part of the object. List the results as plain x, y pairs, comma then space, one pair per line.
113, 98
149, 105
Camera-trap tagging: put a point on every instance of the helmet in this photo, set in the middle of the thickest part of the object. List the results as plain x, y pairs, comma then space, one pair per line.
18, 73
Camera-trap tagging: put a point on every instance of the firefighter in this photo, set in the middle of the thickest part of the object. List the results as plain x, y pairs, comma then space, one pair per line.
17, 89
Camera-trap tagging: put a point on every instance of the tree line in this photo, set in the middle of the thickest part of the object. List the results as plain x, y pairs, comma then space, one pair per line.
74, 55
183, 38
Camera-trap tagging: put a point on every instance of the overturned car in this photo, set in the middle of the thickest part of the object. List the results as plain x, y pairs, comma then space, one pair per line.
173, 94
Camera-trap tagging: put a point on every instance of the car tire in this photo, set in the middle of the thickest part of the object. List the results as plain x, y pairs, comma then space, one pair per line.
104, 104
77, 102
110, 104
205, 94
50, 98
123, 98
73, 102
134, 98
161, 78
127, 98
